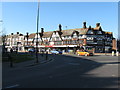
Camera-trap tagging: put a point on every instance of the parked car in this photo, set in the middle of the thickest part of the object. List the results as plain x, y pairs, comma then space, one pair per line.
84, 52
31, 50
55, 52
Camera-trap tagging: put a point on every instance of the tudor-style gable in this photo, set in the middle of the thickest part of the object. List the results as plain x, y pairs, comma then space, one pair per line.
55, 36
75, 34
39, 37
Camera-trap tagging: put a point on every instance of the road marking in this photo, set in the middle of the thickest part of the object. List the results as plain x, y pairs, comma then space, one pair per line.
112, 64
113, 75
13, 86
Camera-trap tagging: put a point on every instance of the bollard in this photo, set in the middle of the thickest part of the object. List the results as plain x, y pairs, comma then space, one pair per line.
46, 55
112, 53
117, 53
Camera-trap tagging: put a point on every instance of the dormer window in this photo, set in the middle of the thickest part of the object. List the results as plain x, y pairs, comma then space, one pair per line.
99, 32
90, 32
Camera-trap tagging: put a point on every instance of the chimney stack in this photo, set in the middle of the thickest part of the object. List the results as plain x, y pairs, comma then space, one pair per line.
17, 32
27, 33
84, 25
89, 27
60, 27
42, 30
11, 33
97, 24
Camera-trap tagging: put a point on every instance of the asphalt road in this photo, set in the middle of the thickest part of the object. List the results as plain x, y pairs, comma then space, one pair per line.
65, 71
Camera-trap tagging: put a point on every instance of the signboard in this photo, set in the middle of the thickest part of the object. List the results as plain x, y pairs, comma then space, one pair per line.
48, 46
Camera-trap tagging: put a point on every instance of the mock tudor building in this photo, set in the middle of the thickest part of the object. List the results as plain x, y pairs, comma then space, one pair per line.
88, 38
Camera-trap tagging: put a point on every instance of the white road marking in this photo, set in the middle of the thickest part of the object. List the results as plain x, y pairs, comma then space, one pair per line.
13, 86
112, 64
113, 75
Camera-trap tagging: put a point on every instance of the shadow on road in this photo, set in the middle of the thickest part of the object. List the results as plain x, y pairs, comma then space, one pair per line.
63, 72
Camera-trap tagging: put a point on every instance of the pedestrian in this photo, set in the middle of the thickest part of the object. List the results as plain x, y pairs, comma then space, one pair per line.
10, 58
11, 50
16, 49
46, 55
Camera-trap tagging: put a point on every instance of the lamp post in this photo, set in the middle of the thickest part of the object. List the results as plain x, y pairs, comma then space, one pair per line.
11, 40
37, 33
27, 40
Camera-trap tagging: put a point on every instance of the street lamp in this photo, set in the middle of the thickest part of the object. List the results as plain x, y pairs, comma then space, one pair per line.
11, 40
37, 33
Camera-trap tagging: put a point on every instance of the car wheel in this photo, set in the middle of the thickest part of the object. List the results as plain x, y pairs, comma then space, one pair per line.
78, 54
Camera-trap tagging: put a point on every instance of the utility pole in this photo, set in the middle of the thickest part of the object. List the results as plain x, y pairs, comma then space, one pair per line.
37, 32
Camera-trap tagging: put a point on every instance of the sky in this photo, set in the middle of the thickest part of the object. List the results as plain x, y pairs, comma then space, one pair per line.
21, 16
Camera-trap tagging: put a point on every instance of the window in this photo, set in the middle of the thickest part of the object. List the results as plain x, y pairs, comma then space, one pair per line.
99, 39
90, 32
99, 32
89, 38
80, 41
57, 38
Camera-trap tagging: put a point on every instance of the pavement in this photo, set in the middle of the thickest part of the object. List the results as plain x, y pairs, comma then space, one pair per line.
64, 71
41, 60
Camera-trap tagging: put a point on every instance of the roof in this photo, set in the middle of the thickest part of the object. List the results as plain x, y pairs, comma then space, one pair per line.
14, 35
47, 34
70, 31
108, 32
97, 28
32, 35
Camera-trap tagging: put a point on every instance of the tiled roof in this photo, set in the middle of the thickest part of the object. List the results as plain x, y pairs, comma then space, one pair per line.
32, 35
47, 34
70, 31
14, 35
108, 32
97, 28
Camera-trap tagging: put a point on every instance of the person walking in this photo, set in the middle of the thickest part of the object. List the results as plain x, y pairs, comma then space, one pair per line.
11, 50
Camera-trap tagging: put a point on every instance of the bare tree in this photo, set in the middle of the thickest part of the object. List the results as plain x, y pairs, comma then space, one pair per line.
3, 40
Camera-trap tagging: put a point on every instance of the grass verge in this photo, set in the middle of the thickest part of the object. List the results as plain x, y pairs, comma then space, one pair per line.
17, 57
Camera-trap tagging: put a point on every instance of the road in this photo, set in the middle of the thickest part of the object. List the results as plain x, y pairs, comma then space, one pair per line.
65, 71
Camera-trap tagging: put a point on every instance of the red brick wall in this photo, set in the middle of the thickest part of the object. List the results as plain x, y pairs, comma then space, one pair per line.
114, 44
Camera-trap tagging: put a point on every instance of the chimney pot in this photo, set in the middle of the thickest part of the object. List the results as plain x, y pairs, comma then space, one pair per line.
89, 27
42, 30
11, 33
60, 27
97, 24
27, 33
17, 32
84, 24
